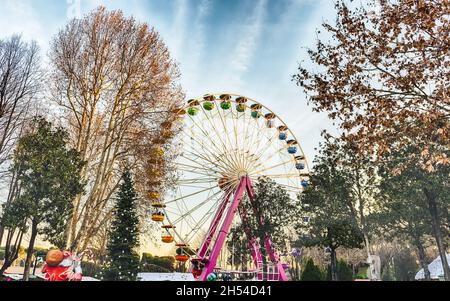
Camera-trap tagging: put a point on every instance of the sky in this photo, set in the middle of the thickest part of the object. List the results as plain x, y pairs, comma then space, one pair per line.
247, 47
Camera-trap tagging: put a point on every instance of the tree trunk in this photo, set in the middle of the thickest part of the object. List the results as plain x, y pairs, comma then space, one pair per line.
334, 275
435, 220
13, 192
422, 260
11, 251
1, 234
26, 272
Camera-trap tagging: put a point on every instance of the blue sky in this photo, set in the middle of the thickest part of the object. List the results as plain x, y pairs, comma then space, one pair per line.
249, 47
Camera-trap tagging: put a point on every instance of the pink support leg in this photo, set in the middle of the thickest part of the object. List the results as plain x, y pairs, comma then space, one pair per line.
252, 243
273, 256
244, 185
209, 267
214, 225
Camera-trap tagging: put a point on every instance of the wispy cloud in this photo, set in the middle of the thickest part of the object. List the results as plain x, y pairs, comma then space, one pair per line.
195, 46
179, 27
18, 17
246, 47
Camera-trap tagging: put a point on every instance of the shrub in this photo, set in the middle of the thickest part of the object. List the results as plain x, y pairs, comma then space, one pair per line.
91, 269
344, 271
150, 263
311, 272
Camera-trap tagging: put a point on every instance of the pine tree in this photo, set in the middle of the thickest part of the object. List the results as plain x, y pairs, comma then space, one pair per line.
123, 261
311, 272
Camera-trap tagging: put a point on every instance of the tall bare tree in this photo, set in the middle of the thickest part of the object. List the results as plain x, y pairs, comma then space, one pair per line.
20, 82
116, 82
20, 78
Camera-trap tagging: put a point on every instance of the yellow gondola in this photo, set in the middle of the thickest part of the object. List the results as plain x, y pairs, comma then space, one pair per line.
154, 195
158, 217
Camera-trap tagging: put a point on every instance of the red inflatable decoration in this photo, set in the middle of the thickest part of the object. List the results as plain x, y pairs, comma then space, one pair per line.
69, 269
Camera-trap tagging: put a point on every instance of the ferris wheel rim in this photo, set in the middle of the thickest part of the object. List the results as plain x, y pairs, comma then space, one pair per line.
201, 100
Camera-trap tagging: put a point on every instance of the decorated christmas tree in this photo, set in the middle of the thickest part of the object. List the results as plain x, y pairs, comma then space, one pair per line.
122, 260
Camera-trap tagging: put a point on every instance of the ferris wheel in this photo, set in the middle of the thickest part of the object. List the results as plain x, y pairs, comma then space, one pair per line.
227, 143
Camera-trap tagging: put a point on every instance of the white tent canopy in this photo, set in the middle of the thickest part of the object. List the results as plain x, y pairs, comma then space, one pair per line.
435, 268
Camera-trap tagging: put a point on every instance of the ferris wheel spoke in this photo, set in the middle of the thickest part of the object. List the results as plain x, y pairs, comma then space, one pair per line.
282, 155
198, 206
224, 124
290, 179
219, 136
267, 153
200, 172
197, 167
235, 131
197, 181
198, 157
262, 149
207, 149
218, 149
270, 167
189, 195
257, 133
193, 174
202, 222
280, 176
188, 217
258, 136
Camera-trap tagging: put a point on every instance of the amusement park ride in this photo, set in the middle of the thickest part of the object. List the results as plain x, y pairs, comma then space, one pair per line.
227, 143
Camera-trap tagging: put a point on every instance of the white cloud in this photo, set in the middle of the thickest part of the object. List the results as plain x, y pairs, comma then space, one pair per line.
177, 37
245, 48
195, 46
19, 17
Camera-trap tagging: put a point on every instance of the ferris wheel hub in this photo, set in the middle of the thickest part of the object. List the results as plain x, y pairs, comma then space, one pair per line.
242, 174
226, 143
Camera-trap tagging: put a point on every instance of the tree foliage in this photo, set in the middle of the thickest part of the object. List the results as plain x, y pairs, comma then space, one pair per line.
122, 259
414, 204
311, 272
150, 263
20, 81
343, 270
116, 83
384, 76
277, 211
332, 202
49, 174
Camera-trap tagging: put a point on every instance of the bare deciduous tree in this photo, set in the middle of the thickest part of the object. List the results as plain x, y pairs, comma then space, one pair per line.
112, 76
20, 82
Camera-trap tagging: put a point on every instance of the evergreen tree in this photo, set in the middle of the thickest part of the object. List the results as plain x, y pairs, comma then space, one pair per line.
345, 272
49, 176
122, 259
278, 212
414, 204
332, 204
311, 272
